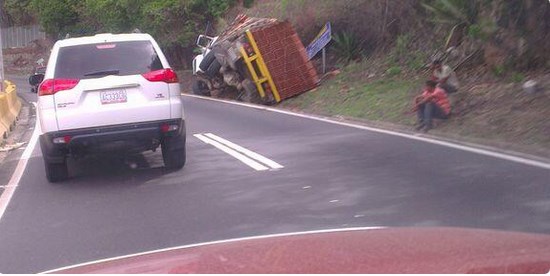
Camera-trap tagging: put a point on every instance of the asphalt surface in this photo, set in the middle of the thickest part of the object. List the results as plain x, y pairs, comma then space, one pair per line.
334, 176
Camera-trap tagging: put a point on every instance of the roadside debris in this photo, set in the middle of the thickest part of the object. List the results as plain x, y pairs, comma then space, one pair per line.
10, 147
531, 87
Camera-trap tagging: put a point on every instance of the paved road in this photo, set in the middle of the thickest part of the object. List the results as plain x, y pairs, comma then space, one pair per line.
333, 176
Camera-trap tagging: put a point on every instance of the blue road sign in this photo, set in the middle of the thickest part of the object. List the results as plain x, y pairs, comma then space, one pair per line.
320, 41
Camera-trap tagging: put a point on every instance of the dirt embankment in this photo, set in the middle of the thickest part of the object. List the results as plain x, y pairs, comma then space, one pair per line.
24, 60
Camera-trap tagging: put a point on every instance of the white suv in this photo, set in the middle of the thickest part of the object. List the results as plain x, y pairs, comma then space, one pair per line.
109, 93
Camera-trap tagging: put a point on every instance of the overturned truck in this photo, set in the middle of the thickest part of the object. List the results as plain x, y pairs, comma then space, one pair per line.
258, 60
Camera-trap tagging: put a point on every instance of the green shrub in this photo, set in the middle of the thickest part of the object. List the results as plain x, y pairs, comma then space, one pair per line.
483, 30
348, 47
499, 70
393, 71
474, 31
453, 11
401, 44
248, 3
417, 61
517, 77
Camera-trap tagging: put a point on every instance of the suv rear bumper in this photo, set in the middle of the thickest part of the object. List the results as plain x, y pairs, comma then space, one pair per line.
135, 137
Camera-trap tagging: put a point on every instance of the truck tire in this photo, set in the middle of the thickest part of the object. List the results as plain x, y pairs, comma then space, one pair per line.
213, 69
56, 172
200, 88
207, 60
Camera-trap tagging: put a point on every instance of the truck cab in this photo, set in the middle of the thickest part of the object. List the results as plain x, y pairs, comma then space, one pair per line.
204, 42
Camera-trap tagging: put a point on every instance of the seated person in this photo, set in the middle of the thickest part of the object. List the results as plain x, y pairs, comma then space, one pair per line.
433, 103
444, 76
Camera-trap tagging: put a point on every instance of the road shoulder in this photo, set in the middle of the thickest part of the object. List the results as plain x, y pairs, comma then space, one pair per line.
16, 142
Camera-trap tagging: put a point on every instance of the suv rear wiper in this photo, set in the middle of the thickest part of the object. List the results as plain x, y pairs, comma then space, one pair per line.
103, 73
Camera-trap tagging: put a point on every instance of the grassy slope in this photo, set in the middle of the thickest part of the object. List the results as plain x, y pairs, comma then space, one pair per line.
352, 94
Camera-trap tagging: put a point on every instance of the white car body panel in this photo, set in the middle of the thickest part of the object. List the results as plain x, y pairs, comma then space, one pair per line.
81, 106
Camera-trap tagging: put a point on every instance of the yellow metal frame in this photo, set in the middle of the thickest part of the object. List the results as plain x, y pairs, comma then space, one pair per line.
259, 77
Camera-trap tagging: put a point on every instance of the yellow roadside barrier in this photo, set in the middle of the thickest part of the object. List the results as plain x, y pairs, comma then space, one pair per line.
4, 116
9, 109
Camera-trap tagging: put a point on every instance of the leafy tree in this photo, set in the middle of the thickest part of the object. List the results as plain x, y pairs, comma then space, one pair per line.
175, 24
218, 7
111, 15
17, 12
56, 16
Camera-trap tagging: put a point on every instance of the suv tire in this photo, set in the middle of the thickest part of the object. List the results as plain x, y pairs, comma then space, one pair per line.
56, 172
208, 59
174, 159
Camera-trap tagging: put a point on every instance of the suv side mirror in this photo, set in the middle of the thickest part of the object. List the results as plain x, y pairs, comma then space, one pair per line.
204, 41
35, 80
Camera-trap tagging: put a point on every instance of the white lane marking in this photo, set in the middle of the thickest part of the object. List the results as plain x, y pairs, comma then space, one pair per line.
367, 228
306, 187
247, 152
9, 190
7, 186
472, 149
334, 201
251, 163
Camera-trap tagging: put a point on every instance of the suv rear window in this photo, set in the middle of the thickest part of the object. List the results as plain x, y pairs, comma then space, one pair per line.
110, 58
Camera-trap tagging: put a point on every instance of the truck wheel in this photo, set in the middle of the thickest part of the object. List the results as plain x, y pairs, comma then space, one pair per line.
200, 88
213, 69
56, 172
173, 159
207, 60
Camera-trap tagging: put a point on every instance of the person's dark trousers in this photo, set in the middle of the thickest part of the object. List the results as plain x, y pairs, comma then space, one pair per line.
427, 111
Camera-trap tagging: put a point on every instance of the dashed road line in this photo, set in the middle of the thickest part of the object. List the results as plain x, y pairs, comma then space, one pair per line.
248, 157
251, 163
247, 152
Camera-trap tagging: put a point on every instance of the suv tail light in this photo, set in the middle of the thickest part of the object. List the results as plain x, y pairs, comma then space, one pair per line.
163, 75
62, 140
165, 128
52, 86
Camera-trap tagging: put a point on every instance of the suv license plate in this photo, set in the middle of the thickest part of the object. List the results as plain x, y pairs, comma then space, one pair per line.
113, 96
